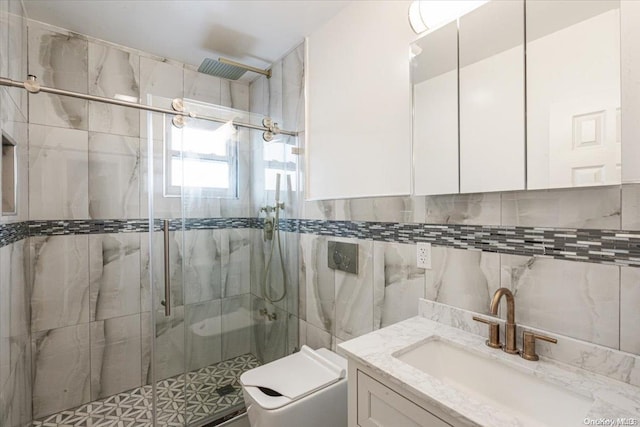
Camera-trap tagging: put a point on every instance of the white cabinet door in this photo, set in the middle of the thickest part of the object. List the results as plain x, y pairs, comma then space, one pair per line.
435, 109
379, 406
492, 133
358, 129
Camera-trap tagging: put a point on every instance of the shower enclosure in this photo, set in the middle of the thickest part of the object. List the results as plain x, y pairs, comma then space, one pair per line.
207, 264
165, 338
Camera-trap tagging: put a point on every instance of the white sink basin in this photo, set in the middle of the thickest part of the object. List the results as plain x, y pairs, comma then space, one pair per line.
533, 401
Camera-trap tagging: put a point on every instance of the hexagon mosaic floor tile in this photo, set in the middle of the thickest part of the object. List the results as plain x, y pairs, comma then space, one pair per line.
182, 400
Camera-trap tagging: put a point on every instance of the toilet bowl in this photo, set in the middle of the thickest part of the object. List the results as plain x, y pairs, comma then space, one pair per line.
305, 389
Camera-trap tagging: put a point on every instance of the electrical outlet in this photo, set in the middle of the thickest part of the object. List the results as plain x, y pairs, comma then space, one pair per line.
423, 255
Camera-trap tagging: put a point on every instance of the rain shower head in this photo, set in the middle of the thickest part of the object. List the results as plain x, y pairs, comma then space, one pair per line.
228, 69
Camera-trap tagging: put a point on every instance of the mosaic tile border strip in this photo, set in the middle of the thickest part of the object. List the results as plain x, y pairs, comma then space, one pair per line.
194, 395
614, 247
104, 226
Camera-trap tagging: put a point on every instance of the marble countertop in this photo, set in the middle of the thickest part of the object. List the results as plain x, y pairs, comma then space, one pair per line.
611, 399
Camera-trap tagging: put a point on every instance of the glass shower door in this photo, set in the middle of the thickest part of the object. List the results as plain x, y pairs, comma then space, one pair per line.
216, 204
210, 321
165, 326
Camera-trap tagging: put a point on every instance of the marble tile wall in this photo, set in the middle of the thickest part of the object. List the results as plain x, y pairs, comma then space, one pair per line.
586, 301
275, 331
15, 334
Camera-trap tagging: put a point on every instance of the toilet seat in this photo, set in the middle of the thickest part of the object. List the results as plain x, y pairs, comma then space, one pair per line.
293, 377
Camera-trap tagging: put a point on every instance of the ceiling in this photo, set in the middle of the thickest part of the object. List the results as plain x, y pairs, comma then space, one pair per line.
255, 32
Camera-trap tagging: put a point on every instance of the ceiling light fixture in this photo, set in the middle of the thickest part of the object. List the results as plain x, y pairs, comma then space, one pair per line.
428, 14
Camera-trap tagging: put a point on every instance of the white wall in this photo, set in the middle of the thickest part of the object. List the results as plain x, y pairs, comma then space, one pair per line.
359, 103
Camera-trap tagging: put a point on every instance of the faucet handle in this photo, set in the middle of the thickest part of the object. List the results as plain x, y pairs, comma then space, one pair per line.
494, 332
529, 344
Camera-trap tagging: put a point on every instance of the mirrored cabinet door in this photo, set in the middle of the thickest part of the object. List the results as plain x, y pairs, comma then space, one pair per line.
435, 115
492, 88
573, 93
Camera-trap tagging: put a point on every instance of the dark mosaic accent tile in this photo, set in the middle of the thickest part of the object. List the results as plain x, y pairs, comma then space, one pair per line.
13, 232
617, 247
584, 245
89, 226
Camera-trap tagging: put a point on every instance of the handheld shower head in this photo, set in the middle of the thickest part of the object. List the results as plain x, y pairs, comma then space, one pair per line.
277, 189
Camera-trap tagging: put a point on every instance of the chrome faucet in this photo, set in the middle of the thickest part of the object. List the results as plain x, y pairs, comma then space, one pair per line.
510, 333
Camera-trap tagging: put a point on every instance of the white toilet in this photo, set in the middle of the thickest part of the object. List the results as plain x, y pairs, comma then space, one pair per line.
308, 388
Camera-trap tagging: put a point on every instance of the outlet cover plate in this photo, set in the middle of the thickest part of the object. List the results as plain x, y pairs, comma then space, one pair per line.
423, 255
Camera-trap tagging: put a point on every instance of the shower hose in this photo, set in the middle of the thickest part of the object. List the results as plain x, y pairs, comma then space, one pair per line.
267, 265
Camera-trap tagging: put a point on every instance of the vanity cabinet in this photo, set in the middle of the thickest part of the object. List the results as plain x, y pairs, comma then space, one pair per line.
375, 403
379, 406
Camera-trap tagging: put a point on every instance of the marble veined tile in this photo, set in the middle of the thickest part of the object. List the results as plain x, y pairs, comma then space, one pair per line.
202, 87
4, 37
169, 345
60, 281
463, 278
476, 209
258, 96
175, 268
61, 360
354, 294
114, 176
115, 356
398, 283
269, 330
204, 334
320, 281
14, 292
317, 338
160, 83
291, 251
58, 173
321, 209
236, 257
113, 73
236, 326
17, 52
577, 299
391, 209
597, 207
630, 207
114, 274
629, 313
293, 333
293, 89
202, 254
257, 260
60, 61
271, 280
15, 381
274, 93
234, 95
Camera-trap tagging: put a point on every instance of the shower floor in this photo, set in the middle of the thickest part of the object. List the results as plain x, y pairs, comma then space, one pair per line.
205, 399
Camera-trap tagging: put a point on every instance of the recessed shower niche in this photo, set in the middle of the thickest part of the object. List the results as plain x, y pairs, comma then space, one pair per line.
9, 175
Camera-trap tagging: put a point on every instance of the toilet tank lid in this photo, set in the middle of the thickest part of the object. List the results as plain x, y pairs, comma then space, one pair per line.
294, 376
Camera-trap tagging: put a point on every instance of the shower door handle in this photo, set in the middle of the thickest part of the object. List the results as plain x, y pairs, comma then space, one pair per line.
167, 271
